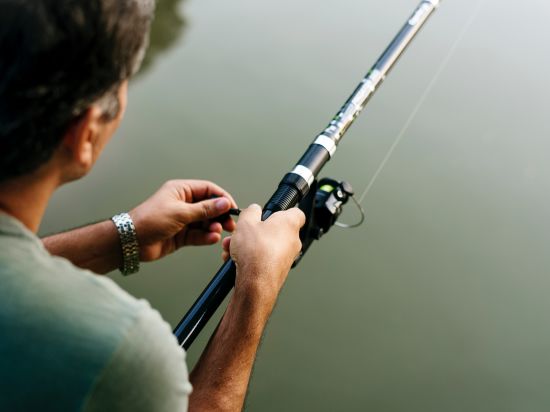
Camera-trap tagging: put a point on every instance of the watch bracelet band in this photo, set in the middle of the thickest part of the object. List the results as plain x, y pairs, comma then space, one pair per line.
128, 241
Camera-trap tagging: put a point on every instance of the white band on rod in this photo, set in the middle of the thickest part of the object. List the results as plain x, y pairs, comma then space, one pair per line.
304, 173
327, 143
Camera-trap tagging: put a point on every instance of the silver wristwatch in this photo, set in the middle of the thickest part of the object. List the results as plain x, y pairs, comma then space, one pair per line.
129, 243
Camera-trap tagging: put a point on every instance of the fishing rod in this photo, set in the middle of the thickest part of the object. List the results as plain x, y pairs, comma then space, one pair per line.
322, 200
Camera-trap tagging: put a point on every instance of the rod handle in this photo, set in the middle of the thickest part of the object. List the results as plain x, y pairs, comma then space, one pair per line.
285, 197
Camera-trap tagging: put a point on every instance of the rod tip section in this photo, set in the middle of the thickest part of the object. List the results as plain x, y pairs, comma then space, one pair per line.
435, 3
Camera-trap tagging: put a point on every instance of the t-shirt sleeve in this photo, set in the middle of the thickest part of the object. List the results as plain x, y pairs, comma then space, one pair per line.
147, 372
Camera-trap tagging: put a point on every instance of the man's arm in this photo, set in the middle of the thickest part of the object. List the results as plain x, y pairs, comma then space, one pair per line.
95, 247
263, 253
178, 214
220, 378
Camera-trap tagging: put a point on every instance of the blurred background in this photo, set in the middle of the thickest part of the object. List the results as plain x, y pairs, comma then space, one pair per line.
441, 301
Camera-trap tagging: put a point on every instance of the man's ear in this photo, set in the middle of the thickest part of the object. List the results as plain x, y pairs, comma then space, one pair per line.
81, 138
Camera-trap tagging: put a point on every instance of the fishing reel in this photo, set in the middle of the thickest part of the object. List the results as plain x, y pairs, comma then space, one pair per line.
322, 206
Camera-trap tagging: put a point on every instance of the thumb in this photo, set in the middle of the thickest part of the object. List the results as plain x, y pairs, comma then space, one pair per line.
206, 209
252, 213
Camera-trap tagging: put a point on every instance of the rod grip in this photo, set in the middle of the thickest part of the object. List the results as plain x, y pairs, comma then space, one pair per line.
285, 197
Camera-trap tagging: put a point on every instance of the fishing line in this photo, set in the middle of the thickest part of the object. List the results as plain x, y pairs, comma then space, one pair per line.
423, 98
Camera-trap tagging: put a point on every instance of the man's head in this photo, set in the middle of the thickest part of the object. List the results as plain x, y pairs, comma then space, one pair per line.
64, 66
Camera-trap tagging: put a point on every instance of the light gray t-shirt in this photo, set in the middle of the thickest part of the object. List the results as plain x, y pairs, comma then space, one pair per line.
71, 340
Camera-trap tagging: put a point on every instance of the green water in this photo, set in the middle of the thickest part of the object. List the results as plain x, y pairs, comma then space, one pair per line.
441, 302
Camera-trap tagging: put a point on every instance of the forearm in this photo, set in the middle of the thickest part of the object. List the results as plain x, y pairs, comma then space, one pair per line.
220, 378
95, 247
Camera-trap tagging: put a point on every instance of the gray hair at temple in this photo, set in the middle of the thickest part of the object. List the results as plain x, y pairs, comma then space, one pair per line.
57, 58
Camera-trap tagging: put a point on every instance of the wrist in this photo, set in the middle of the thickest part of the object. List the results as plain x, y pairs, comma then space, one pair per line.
253, 294
245, 315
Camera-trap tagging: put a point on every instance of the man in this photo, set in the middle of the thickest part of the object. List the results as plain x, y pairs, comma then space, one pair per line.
70, 339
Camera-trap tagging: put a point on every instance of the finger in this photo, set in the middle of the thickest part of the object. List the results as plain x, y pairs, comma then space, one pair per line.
226, 243
203, 225
205, 210
227, 222
229, 225
298, 215
225, 255
201, 238
215, 227
252, 213
203, 189
294, 216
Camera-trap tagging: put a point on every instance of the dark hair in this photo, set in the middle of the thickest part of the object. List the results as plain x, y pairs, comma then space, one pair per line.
57, 57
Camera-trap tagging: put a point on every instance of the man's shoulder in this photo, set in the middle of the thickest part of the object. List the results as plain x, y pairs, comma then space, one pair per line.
62, 327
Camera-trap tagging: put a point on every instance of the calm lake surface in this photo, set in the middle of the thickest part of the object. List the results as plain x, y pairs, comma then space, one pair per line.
441, 301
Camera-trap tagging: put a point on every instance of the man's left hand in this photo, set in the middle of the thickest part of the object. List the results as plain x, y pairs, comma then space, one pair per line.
181, 213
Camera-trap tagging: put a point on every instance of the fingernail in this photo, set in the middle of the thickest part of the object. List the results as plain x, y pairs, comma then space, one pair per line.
222, 204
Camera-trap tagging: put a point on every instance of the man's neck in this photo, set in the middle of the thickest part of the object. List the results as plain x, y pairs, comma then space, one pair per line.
26, 198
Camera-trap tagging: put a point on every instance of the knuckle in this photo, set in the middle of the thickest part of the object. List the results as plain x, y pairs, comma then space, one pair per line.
244, 221
298, 245
249, 213
293, 216
206, 210
299, 216
168, 183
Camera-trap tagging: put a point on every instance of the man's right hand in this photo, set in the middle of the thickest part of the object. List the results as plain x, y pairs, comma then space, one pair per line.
264, 251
